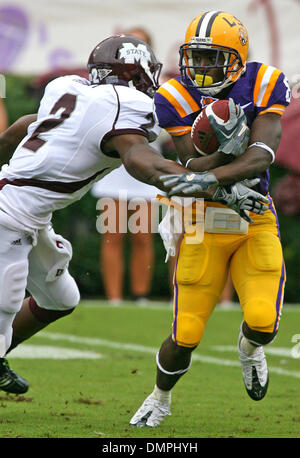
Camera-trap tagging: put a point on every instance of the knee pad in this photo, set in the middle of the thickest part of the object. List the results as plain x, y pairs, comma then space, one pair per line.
13, 286
188, 330
68, 293
260, 314
61, 294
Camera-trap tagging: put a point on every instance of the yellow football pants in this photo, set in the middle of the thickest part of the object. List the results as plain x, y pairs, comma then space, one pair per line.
256, 264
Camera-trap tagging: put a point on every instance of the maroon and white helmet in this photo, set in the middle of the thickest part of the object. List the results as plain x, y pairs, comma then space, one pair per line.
125, 60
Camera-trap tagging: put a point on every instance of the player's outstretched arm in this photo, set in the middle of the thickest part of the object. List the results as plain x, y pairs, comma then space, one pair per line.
11, 137
143, 162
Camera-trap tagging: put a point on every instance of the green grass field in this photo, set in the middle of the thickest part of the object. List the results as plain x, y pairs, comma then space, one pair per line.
90, 371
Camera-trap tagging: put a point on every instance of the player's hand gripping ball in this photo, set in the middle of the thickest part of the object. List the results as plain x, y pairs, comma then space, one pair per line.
221, 126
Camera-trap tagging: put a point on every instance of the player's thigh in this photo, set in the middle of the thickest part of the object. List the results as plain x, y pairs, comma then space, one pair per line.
14, 250
199, 279
258, 274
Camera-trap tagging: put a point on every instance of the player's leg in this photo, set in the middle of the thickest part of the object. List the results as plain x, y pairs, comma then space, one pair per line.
54, 293
258, 273
199, 279
15, 247
141, 265
111, 254
142, 255
44, 307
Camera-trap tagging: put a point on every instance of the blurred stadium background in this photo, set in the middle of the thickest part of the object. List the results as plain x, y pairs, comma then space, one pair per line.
41, 39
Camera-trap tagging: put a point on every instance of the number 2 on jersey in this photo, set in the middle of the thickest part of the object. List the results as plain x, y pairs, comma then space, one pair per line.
66, 101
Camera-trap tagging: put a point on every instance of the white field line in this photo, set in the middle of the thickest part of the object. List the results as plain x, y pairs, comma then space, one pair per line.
152, 350
96, 342
46, 352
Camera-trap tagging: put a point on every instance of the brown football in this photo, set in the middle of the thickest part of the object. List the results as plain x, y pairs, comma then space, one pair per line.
203, 135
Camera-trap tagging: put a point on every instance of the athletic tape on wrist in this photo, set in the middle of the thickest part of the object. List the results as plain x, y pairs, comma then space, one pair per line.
264, 146
181, 371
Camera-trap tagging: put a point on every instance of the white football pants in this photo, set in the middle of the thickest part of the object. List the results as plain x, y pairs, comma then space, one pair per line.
39, 263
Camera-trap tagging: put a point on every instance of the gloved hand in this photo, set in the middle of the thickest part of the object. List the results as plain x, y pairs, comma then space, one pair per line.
233, 135
241, 197
188, 183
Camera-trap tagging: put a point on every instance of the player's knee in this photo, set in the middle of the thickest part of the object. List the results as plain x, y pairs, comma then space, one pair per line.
12, 291
70, 298
190, 331
260, 314
62, 294
47, 315
258, 337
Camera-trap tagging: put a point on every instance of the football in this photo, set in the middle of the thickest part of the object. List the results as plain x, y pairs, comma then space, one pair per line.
203, 135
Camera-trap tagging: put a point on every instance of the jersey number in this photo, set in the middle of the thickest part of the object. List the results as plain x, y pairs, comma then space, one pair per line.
67, 101
150, 124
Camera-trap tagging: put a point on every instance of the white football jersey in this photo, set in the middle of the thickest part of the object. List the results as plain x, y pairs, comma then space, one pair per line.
62, 155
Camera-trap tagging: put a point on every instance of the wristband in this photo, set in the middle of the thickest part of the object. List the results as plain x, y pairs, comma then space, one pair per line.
266, 147
188, 161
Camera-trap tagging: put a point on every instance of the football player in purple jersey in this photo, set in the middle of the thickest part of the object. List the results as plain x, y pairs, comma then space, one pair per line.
213, 66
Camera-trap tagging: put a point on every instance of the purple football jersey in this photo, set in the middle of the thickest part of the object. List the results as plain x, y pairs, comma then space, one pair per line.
261, 89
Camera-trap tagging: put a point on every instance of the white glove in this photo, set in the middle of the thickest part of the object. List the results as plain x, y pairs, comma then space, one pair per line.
233, 135
188, 183
240, 198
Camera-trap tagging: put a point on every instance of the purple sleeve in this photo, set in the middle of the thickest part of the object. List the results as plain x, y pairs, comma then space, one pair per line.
166, 113
281, 93
279, 97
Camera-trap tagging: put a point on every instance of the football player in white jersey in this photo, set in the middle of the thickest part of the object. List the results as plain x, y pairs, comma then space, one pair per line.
82, 131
